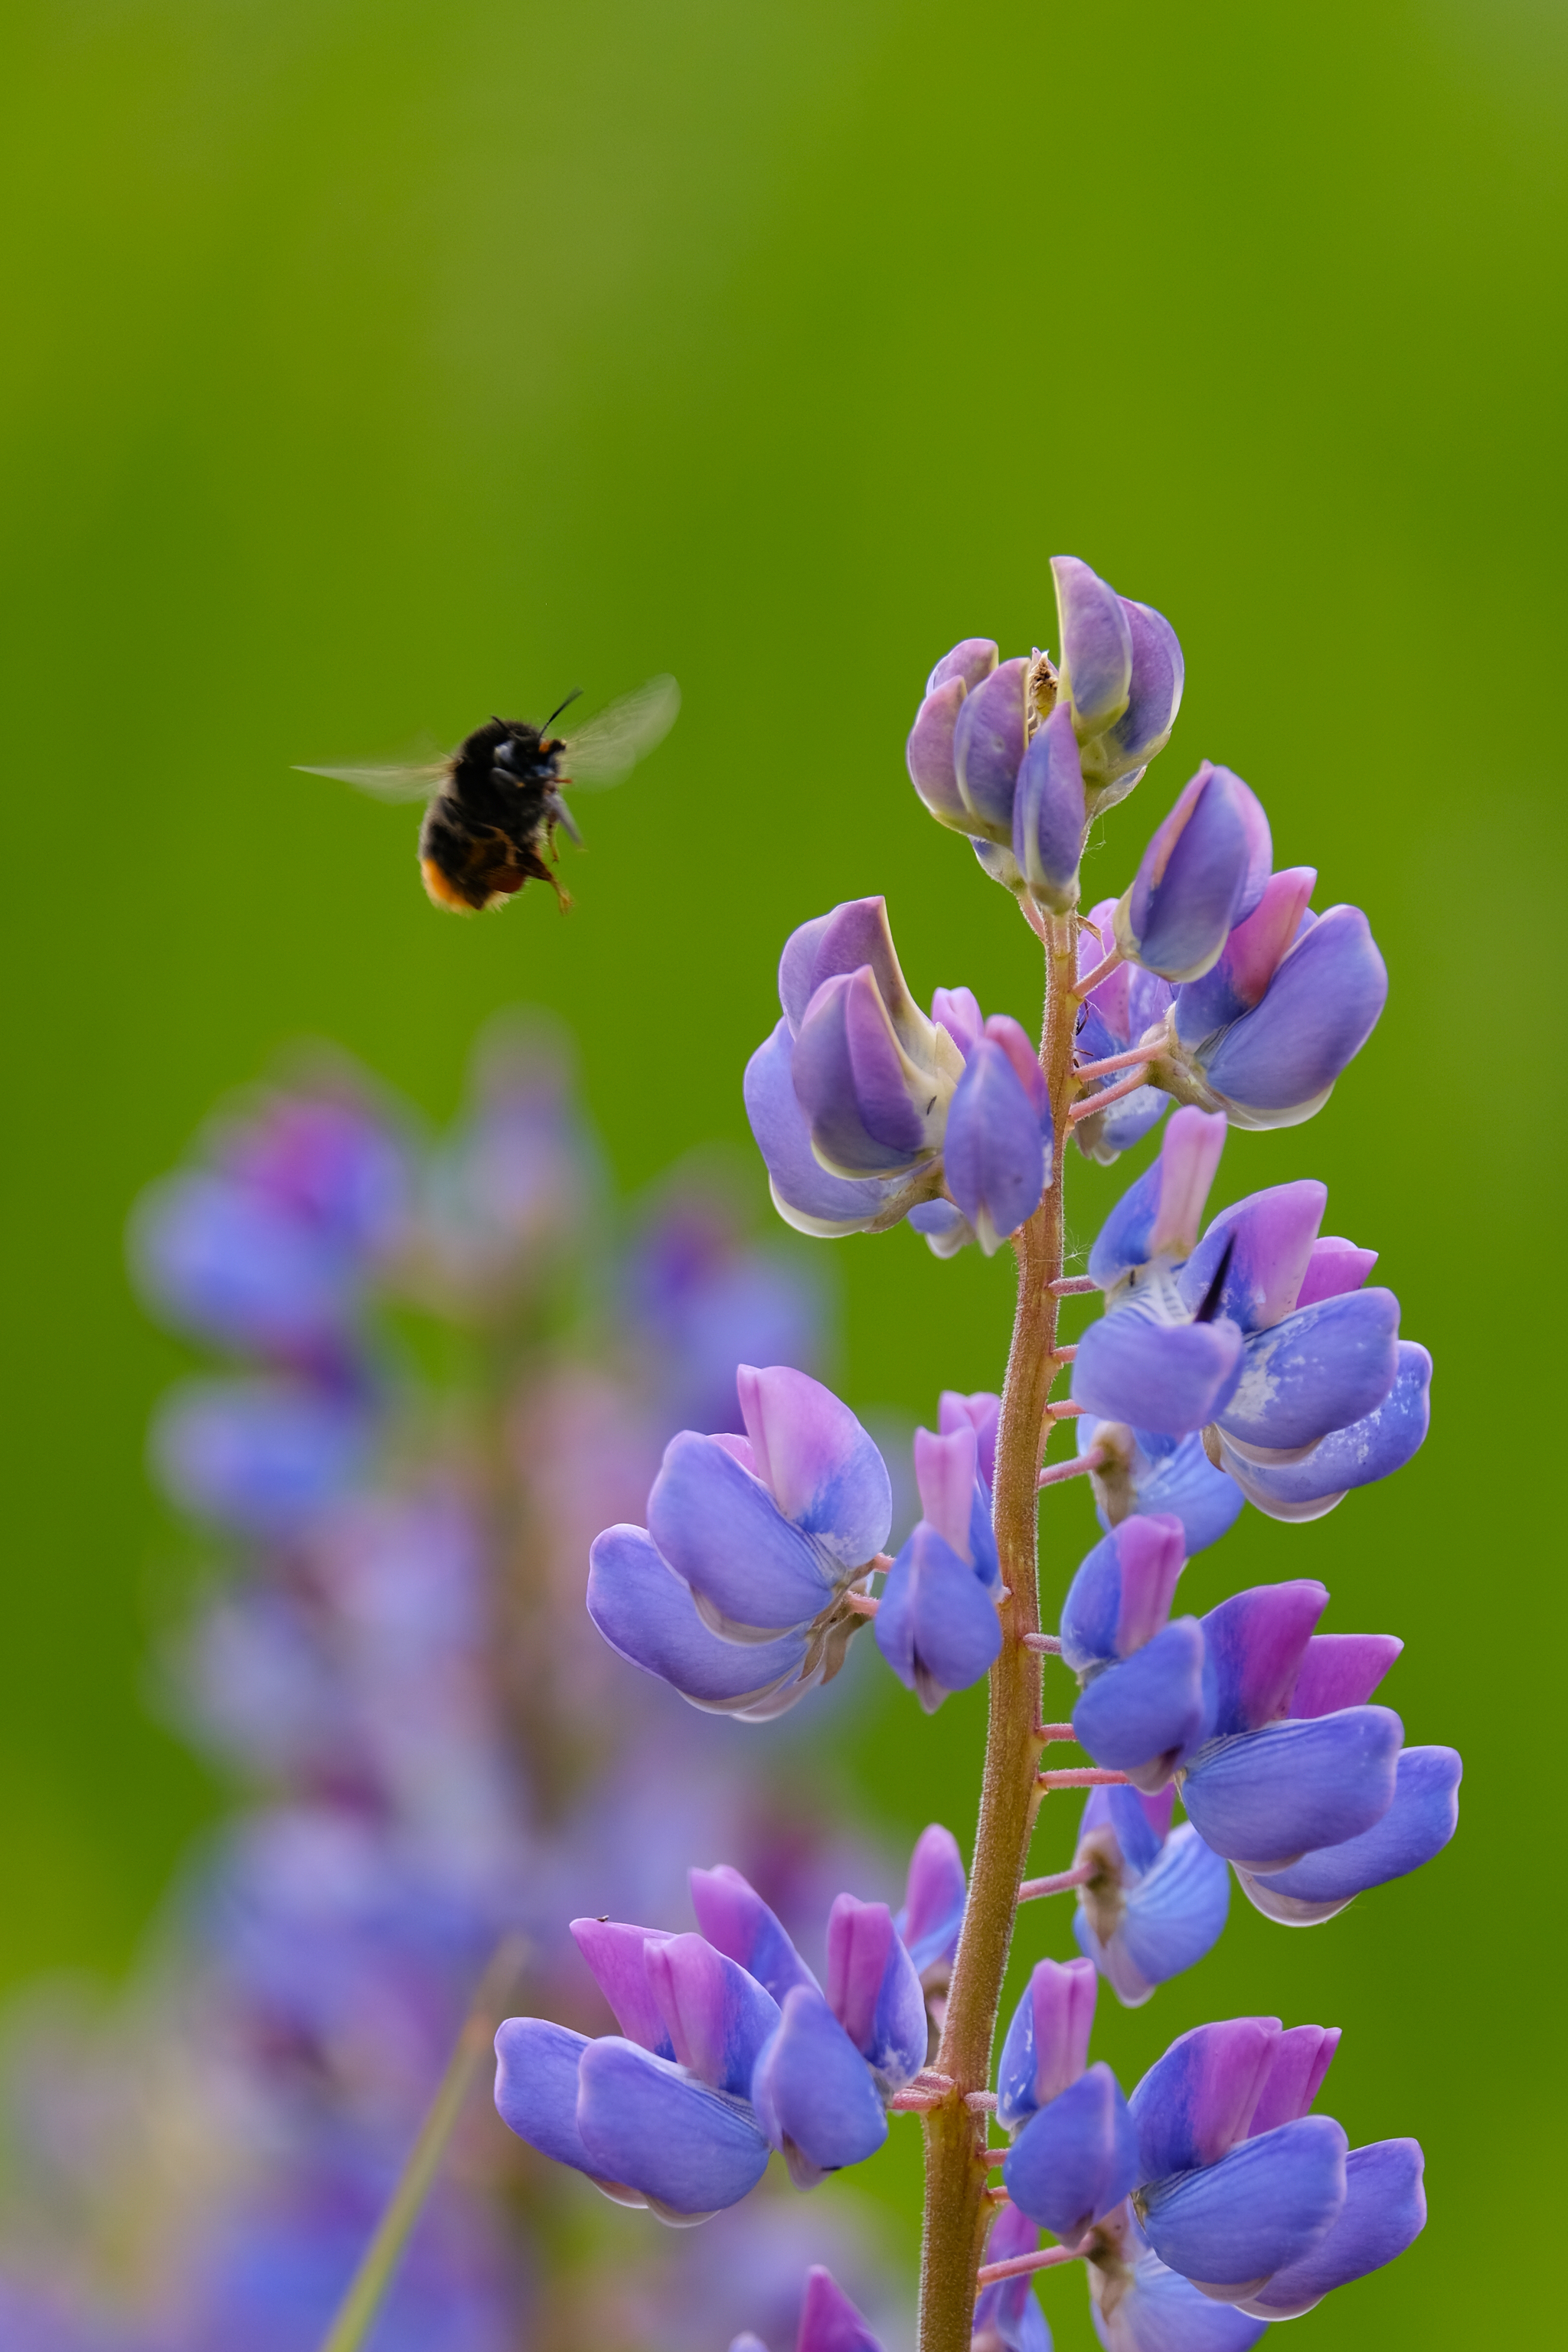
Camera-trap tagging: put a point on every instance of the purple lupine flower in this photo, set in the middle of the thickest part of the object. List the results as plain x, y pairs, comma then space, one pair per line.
1418, 1826
1208, 1700
1141, 1471
872, 1074
1007, 2315
1156, 1358
852, 1099
700, 1300
1075, 2153
1203, 872
1261, 1787
1159, 1898
1293, 998
971, 751
998, 1144
1046, 2043
261, 1457
1139, 2304
1236, 2180
1144, 1716
1384, 2211
1215, 1333
930, 752
829, 2321
989, 737
738, 1923
1122, 672
268, 1251
935, 1892
659, 2114
874, 1991
1048, 815
937, 1626
814, 2099
751, 1545
1118, 1012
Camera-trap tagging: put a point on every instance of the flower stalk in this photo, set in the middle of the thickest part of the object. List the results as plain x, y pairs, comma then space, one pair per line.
956, 2215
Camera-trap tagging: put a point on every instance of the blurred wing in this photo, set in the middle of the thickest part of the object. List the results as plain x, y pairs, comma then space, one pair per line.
416, 783
608, 748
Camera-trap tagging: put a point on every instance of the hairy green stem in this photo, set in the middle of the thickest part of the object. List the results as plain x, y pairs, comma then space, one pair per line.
957, 2213
369, 2284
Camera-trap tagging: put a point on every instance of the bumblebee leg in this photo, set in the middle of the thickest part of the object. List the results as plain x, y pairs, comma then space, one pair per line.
534, 865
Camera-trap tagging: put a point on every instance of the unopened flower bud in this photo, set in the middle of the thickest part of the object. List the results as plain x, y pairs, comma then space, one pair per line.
874, 1991
988, 749
1204, 873
1048, 813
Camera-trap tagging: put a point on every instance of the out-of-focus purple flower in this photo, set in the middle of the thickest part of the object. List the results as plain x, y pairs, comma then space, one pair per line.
268, 1251
1418, 1826
1007, 2315
702, 1301
1384, 2211
759, 1538
1211, 1333
935, 1892
937, 1626
261, 1457
1203, 872
1122, 672
982, 1411
1118, 1012
1236, 2181
1048, 815
829, 2321
874, 1991
1158, 1900
1291, 1001
514, 1181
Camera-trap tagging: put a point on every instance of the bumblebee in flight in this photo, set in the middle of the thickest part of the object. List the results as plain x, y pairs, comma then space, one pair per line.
494, 803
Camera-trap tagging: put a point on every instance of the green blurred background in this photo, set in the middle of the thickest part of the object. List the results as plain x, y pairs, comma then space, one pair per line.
372, 367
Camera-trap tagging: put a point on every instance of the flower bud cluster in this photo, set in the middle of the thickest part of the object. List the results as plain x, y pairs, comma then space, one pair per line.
1020, 754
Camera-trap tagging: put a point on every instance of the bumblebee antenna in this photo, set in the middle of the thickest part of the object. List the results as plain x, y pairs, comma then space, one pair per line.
560, 707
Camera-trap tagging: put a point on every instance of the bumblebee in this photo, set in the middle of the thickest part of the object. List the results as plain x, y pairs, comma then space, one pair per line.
494, 805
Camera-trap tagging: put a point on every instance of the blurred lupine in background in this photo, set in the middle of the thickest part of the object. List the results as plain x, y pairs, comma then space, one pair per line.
444, 1361
1241, 1361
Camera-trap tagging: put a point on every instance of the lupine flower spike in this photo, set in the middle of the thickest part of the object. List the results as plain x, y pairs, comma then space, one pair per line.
1238, 1358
